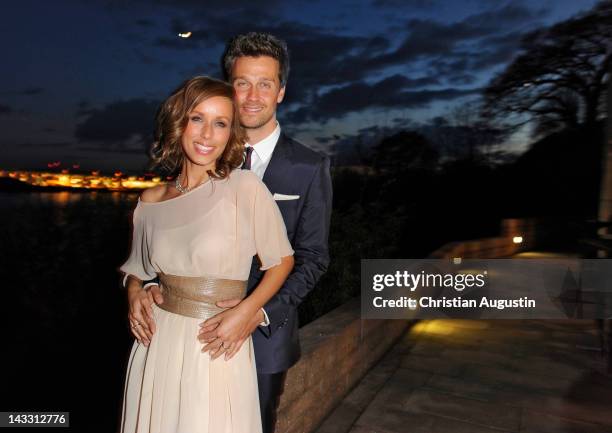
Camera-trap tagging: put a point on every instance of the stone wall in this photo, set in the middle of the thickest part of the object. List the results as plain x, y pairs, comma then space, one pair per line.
500, 246
337, 351
339, 348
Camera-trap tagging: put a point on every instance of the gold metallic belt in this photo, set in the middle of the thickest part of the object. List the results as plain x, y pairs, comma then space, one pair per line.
196, 296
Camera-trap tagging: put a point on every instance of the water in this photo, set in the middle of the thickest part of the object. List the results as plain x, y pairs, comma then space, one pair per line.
64, 321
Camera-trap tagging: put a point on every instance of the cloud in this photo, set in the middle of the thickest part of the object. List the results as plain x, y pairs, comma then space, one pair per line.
143, 22
31, 91
52, 145
356, 148
216, 5
321, 57
121, 123
5, 110
408, 4
28, 91
331, 71
392, 92
177, 43
497, 49
123, 150
461, 47
452, 51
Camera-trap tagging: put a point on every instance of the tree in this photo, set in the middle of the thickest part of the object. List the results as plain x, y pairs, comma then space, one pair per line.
560, 77
404, 152
476, 133
467, 134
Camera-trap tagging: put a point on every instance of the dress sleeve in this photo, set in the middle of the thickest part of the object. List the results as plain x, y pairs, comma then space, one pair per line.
271, 241
138, 263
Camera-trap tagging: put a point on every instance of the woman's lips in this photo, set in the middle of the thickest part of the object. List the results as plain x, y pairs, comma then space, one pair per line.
203, 149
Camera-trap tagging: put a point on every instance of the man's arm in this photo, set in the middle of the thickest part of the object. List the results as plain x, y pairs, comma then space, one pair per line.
145, 284
311, 250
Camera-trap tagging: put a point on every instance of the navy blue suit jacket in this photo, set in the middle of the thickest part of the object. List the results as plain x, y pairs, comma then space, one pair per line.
295, 170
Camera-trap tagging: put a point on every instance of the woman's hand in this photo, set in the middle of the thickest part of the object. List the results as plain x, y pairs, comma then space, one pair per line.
228, 330
140, 314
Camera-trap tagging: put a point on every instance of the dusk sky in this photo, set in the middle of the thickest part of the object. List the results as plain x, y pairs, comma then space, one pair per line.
81, 81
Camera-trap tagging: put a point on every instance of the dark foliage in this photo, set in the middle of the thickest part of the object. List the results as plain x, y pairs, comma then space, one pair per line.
559, 79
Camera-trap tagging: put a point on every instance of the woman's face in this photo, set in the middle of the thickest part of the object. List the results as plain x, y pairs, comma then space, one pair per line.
208, 131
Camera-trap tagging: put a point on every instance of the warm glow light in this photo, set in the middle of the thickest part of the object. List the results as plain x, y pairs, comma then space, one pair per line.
456, 260
434, 327
93, 181
184, 35
517, 239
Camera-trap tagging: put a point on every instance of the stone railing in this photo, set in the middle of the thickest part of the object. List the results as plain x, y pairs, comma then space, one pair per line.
339, 348
504, 245
337, 351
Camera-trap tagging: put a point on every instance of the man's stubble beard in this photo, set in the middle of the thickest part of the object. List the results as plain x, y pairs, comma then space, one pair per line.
257, 125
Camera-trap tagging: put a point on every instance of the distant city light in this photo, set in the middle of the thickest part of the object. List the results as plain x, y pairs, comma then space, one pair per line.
66, 179
184, 35
517, 239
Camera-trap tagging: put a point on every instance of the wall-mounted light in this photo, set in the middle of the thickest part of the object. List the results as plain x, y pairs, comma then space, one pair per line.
517, 239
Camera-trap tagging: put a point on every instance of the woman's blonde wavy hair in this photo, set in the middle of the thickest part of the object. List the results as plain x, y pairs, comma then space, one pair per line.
167, 150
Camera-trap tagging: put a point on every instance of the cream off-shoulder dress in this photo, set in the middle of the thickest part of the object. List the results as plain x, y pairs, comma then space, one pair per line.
213, 231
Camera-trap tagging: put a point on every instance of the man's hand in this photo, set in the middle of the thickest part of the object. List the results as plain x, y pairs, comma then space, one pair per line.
157, 295
140, 315
227, 331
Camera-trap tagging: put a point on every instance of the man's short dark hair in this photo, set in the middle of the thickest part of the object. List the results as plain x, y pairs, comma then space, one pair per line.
256, 45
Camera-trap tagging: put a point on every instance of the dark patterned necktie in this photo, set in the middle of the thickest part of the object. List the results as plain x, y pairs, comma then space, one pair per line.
247, 158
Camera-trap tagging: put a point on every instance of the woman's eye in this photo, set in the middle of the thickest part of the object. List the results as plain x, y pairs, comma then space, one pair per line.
196, 118
221, 124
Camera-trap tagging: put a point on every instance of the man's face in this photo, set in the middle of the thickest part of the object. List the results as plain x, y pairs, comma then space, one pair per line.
258, 91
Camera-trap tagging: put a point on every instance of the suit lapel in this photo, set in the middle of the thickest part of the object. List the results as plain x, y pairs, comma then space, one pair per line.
276, 173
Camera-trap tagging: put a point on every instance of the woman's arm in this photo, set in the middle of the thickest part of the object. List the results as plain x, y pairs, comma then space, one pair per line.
271, 283
227, 331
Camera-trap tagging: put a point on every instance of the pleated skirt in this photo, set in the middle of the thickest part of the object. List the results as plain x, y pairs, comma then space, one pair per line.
172, 387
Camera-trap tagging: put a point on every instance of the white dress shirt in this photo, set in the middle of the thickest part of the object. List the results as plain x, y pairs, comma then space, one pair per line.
260, 158
262, 152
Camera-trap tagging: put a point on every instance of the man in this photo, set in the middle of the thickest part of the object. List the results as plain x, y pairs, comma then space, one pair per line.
257, 65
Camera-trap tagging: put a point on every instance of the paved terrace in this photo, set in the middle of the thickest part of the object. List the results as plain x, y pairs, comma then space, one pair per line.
483, 376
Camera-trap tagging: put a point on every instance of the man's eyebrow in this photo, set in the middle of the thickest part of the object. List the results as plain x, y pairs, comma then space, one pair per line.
242, 77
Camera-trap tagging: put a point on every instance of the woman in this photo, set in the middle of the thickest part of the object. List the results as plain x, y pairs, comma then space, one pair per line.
199, 235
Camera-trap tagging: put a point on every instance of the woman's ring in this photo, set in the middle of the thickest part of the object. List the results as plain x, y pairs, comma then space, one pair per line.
135, 325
